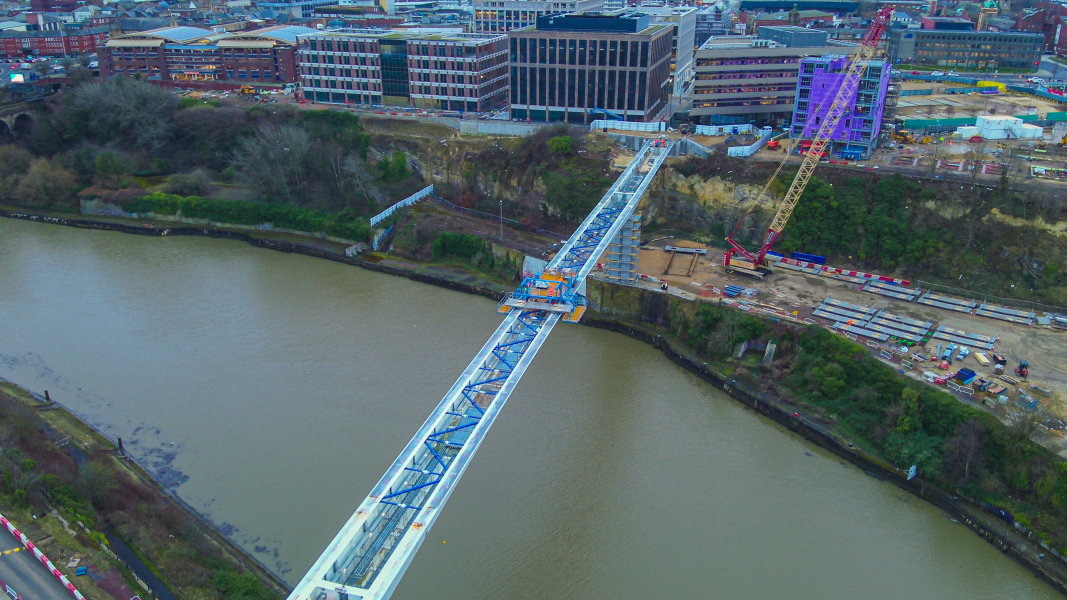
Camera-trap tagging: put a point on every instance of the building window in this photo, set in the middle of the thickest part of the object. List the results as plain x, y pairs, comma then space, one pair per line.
255, 73
241, 74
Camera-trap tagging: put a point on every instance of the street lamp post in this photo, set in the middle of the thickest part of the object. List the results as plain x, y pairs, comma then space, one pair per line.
501, 220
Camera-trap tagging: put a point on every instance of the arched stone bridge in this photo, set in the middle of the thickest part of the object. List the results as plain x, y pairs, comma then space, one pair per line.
17, 118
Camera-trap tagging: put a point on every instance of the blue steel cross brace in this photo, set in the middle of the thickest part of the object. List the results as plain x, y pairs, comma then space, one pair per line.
369, 555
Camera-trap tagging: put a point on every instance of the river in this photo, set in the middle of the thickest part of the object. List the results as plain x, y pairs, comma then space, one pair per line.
273, 390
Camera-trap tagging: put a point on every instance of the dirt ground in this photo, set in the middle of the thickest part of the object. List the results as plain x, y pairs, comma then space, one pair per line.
1045, 349
943, 106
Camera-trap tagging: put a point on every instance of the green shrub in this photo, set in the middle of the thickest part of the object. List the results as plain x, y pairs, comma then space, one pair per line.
457, 245
345, 224
563, 144
241, 586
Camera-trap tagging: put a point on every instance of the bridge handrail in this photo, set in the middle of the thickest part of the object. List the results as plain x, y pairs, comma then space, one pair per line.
412, 199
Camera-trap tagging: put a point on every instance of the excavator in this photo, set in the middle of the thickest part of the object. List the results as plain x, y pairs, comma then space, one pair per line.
903, 137
738, 259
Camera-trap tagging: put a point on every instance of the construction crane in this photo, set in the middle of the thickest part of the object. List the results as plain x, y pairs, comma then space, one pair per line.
738, 259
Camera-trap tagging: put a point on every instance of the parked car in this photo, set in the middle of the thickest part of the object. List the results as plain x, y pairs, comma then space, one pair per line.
94, 64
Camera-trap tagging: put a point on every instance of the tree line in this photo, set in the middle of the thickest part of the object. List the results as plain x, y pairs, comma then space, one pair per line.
967, 236
121, 138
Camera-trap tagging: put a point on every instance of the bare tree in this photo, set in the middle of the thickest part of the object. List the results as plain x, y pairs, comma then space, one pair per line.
273, 160
46, 184
938, 152
963, 449
977, 157
124, 108
357, 173
97, 479
8, 437
1035, 411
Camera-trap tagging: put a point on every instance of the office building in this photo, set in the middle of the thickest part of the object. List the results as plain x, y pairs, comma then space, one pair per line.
794, 37
505, 15
856, 134
194, 57
419, 68
946, 23
583, 66
717, 19
682, 20
744, 79
960, 49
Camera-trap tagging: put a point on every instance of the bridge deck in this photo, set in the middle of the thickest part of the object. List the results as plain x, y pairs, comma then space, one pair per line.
369, 555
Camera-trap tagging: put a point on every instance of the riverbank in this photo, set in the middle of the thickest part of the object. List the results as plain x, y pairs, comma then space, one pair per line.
450, 278
656, 308
93, 506
658, 296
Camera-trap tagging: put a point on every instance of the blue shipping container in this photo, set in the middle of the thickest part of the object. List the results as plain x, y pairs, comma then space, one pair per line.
819, 260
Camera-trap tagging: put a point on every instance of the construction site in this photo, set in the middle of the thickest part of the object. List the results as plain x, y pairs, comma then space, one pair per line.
997, 355
911, 327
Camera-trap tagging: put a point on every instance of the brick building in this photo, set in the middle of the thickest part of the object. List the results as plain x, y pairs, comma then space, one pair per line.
1049, 22
49, 6
194, 57
66, 41
569, 65
424, 69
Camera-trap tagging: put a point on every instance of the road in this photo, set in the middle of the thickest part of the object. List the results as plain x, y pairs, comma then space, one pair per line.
25, 574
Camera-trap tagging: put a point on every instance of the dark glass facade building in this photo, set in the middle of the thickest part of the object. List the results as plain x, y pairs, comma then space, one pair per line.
574, 67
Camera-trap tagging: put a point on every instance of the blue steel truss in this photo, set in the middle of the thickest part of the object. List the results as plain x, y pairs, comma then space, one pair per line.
369, 555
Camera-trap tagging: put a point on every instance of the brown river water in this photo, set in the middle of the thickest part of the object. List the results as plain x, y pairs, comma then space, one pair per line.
273, 390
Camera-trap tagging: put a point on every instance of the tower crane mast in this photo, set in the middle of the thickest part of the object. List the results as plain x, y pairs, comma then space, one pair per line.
738, 258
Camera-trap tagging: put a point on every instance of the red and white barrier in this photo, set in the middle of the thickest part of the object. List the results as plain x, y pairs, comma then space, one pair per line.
873, 276
10, 592
41, 557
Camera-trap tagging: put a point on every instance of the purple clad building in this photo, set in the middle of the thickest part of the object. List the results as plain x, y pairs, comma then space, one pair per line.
856, 134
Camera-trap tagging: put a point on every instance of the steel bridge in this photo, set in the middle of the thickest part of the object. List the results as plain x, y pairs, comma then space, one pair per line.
371, 552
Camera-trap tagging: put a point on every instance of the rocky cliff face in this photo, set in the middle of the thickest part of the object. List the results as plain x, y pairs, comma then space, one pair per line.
697, 203
456, 163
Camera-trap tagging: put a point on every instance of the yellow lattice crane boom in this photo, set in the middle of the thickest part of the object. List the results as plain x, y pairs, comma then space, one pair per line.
739, 259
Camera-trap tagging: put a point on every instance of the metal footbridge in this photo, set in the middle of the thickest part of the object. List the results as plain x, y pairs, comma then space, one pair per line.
371, 552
